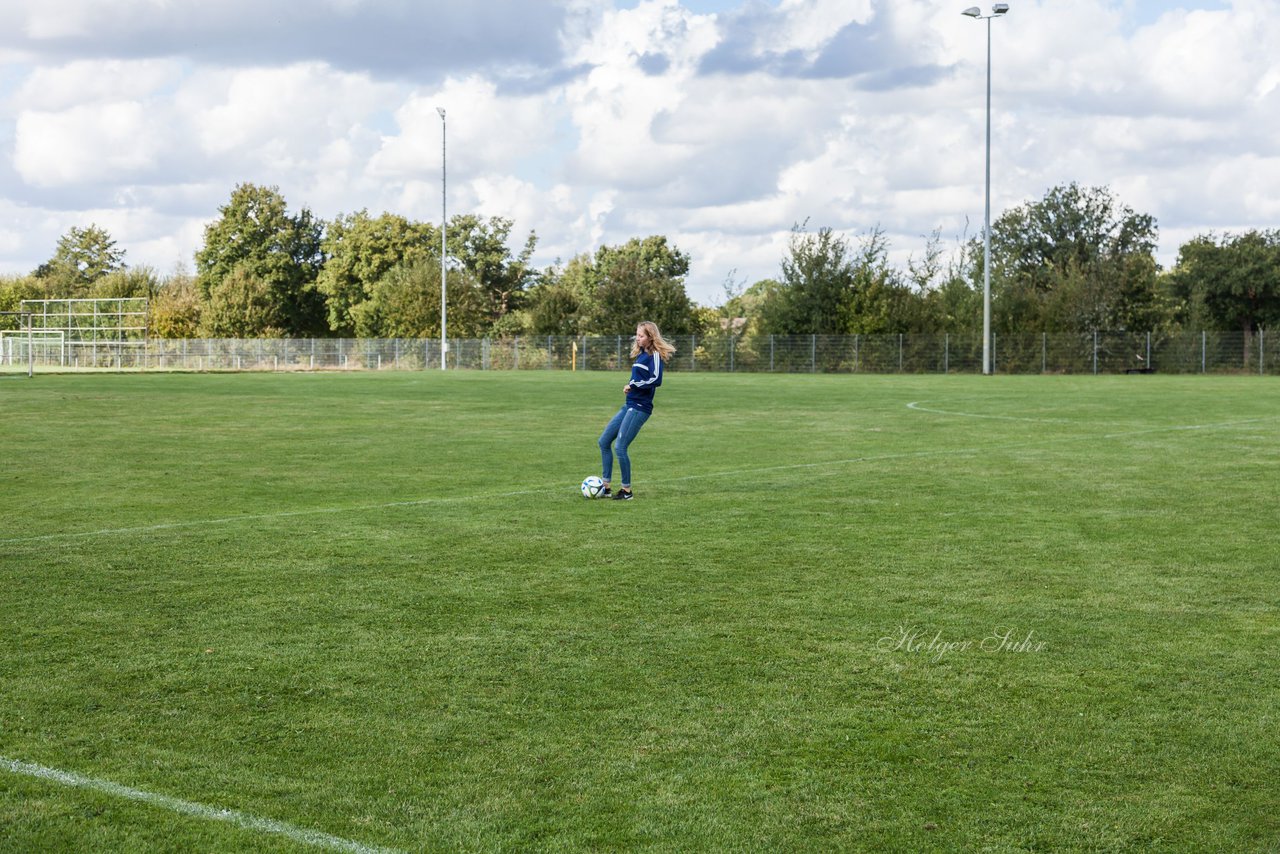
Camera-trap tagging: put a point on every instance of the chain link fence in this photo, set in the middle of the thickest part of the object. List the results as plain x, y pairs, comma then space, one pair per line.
1031, 353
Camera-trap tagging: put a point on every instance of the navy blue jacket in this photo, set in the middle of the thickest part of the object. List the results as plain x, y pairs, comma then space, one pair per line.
646, 375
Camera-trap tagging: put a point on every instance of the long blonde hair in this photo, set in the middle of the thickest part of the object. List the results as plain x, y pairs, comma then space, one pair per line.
656, 341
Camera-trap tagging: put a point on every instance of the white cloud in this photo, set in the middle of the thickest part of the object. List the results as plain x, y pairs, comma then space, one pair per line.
60, 87
55, 19
808, 25
278, 114
592, 124
392, 37
1184, 73
615, 107
487, 131
90, 143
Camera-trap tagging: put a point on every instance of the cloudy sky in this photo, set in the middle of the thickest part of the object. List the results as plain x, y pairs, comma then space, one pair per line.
719, 123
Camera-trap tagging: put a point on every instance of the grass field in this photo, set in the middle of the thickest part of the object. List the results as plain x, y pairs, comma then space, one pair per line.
901, 613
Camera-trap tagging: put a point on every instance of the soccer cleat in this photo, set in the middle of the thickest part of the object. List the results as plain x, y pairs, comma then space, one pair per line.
605, 493
623, 495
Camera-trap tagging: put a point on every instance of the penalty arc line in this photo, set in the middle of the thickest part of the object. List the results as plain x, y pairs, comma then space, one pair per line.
287, 514
314, 838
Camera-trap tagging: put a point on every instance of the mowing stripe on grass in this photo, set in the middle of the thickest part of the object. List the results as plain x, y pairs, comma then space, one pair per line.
958, 452
1188, 427
359, 508
249, 822
258, 517
915, 405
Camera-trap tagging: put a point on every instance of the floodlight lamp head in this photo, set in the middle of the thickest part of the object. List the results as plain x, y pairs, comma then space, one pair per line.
972, 12
1000, 8
440, 110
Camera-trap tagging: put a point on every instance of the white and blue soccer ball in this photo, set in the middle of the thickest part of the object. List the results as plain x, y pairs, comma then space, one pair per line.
592, 487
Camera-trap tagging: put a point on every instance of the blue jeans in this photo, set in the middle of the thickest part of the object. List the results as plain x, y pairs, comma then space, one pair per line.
620, 432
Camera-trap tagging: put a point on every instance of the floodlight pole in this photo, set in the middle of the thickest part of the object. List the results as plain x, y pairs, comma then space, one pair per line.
997, 11
444, 178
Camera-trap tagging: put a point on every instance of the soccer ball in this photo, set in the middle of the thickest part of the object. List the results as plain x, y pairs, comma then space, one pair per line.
592, 487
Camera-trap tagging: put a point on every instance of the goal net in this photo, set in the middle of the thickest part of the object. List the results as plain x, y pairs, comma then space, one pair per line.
105, 332
17, 355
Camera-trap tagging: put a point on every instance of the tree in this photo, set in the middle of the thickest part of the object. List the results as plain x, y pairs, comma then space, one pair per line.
732, 314
13, 290
880, 301
1075, 260
563, 303
405, 303
83, 256
817, 290
641, 280
923, 273
831, 286
1235, 278
361, 250
242, 305
742, 307
955, 304
135, 282
764, 304
258, 237
176, 308
480, 247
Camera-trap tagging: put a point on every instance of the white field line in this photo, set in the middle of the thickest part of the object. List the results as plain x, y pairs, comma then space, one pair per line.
915, 404
248, 822
957, 452
358, 508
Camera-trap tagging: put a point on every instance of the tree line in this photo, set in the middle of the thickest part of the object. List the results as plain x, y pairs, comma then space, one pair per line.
1076, 260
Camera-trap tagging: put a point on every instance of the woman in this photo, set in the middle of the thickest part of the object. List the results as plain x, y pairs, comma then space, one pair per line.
649, 352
